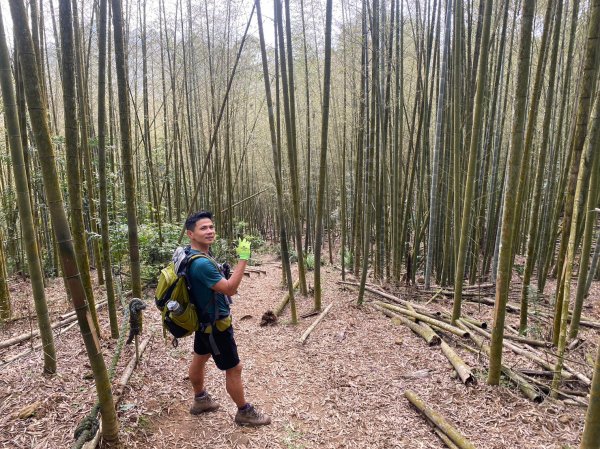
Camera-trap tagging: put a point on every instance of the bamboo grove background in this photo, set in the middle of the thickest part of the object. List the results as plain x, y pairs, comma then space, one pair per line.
437, 142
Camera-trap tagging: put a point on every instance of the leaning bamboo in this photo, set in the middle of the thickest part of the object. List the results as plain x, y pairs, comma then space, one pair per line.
428, 335
439, 421
313, 325
279, 309
433, 322
121, 384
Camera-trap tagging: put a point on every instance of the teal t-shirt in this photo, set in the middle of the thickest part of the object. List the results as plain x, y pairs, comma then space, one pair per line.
203, 274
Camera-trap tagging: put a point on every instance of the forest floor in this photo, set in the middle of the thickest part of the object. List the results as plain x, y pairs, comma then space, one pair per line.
342, 388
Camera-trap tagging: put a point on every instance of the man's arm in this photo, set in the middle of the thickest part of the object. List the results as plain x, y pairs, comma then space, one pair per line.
230, 286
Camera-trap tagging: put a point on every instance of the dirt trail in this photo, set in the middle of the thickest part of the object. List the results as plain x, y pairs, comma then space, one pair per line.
343, 388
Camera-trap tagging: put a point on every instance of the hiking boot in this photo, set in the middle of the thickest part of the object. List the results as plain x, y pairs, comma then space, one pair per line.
251, 417
204, 404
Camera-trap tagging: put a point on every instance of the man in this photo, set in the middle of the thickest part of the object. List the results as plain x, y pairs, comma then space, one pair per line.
207, 282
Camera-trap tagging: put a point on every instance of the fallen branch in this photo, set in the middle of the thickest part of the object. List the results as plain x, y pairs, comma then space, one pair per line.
438, 420
313, 325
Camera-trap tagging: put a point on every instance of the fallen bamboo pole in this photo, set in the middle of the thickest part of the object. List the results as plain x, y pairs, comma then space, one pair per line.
514, 308
522, 351
447, 441
28, 335
526, 388
432, 339
388, 296
34, 348
431, 321
428, 335
438, 420
313, 325
462, 369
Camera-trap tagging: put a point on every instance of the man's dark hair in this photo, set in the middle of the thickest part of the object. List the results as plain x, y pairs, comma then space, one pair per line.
190, 223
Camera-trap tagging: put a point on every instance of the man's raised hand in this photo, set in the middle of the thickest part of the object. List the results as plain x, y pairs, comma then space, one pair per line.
243, 249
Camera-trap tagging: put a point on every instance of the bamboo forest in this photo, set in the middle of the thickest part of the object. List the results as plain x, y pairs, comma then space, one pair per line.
300, 224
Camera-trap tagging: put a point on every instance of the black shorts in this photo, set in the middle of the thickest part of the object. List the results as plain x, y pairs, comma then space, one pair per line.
225, 342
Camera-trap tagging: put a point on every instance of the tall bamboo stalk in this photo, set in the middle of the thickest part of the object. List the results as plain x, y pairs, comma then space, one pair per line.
39, 124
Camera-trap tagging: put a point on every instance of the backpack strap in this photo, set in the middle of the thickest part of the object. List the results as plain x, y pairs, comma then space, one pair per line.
212, 302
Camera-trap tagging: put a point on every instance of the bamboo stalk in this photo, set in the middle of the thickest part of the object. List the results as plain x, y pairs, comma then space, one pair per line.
433, 322
438, 420
121, 384
314, 325
279, 309
428, 335
462, 369
69, 318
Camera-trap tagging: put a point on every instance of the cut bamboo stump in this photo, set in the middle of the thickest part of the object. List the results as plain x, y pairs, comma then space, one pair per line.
438, 421
314, 325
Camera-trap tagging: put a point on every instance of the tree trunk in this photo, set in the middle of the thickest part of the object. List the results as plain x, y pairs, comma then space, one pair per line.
106, 257
126, 151
25, 213
39, 124
510, 191
323, 159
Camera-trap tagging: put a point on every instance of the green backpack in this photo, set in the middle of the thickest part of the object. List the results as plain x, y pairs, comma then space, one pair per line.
173, 285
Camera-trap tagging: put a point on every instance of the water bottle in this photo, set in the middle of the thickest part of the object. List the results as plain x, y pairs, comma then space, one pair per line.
175, 308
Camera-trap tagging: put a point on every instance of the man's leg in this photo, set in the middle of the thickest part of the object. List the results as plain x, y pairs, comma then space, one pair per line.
246, 415
196, 372
203, 402
234, 385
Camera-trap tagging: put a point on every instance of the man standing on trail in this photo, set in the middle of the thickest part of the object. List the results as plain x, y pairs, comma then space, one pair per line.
207, 282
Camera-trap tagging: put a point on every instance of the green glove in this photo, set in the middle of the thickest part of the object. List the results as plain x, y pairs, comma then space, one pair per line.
243, 249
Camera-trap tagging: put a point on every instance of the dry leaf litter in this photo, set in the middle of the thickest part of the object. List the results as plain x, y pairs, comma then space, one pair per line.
342, 389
